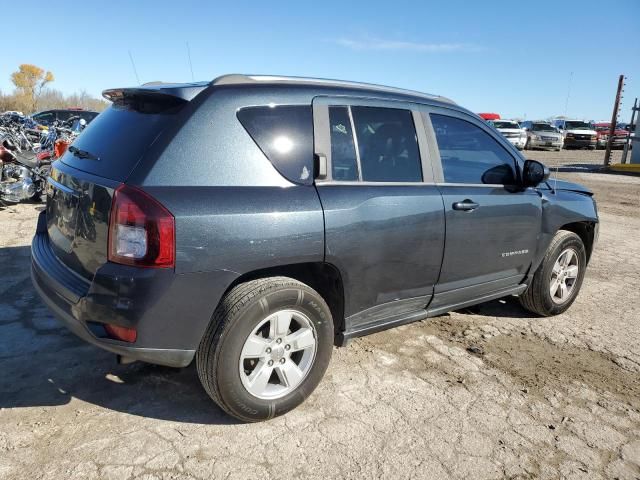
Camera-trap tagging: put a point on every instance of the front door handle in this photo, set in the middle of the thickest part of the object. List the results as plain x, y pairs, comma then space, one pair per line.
466, 205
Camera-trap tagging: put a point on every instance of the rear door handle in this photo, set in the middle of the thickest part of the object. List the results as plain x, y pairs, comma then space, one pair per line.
466, 205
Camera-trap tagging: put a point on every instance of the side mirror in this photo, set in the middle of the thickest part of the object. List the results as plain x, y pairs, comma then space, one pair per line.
534, 173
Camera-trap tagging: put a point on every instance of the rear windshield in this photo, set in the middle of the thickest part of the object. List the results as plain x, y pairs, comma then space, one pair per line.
284, 133
119, 137
499, 124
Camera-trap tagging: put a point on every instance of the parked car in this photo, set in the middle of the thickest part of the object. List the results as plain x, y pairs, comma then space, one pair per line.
577, 134
619, 135
48, 117
512, 131
542, 135
250, 223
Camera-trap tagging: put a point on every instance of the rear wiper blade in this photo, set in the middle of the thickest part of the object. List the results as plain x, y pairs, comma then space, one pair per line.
82, 153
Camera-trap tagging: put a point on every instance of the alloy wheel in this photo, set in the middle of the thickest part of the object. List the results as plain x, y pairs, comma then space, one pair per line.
564, 276
278, 354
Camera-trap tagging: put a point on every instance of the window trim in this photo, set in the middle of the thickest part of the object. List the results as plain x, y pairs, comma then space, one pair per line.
322, 136
518, 161
356, 146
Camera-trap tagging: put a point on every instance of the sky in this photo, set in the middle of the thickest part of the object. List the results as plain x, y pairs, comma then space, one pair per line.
525, 59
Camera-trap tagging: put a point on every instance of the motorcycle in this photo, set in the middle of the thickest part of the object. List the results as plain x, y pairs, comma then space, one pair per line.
21, 178
23, 174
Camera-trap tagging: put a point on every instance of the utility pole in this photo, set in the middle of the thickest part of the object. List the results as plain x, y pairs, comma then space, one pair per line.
631, 125
614, 120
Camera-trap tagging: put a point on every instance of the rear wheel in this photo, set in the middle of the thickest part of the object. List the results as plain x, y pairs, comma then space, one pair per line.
266, 349
556, 283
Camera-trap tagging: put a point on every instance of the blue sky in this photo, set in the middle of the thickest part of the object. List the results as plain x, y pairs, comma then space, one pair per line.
514, 57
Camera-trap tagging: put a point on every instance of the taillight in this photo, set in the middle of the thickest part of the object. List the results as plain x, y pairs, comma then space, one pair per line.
141, 230
123, 334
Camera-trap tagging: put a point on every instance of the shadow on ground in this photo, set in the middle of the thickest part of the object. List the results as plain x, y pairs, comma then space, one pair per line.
43, 364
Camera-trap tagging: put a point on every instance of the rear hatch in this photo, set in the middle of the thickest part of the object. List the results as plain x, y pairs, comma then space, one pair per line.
83, 181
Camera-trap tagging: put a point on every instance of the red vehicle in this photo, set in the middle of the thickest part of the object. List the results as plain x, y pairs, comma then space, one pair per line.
603, 129
489, 116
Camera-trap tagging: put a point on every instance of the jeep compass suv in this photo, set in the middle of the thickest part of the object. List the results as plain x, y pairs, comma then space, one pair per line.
252, 222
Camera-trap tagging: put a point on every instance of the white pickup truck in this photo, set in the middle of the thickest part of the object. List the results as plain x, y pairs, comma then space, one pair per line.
577, 134
512, 131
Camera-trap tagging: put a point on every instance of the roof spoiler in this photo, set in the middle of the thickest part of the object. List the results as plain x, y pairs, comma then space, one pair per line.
181, 91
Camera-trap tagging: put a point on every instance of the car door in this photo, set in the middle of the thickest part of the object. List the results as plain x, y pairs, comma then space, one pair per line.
384, 220
492, 225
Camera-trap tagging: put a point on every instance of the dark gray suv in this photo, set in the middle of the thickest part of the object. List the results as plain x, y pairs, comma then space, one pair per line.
253, 222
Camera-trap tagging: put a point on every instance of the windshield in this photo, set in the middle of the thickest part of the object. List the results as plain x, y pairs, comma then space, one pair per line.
499, 124
543, 127
577, 126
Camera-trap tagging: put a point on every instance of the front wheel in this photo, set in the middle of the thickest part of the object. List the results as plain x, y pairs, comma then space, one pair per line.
556, 283
266, 348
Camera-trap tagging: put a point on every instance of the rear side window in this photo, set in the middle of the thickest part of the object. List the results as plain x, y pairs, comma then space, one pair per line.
471, 155
344, 165
284, 133
387, 145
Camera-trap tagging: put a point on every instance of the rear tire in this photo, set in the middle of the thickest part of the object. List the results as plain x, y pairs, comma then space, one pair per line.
249, 315
552, 276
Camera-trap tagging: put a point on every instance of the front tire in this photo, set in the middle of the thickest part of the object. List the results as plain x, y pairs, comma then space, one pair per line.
557, 281
266, 349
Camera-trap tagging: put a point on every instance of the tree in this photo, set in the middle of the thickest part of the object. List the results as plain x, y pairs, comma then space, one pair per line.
29, 81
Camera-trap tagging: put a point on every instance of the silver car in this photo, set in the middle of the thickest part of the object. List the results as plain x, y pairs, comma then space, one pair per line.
542, 135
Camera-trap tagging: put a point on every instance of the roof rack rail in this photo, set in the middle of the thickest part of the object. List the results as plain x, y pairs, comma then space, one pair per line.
240, 79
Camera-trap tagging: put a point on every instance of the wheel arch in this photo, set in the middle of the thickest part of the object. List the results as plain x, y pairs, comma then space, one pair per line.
586, 230
323, 277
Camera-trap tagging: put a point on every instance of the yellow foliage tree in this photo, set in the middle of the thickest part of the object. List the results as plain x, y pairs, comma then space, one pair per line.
29, 81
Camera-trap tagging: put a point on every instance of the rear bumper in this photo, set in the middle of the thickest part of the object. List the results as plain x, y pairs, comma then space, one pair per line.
169, 311
64, 312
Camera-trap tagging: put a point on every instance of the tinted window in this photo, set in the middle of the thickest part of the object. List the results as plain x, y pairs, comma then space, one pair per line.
387, 145
471, 155
64, 115
45, 118
343, 151
285, 136
88, 116
120, 136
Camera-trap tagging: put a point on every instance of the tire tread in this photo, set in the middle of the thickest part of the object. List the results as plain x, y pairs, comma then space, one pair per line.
532, 298
207, 355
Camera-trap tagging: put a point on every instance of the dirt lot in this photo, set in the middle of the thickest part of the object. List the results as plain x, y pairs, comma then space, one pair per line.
489, 392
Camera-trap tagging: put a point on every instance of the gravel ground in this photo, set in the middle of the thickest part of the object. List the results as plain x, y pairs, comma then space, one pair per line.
488, 392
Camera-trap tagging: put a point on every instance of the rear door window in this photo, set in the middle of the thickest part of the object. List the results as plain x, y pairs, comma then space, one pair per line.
284, 133
387, 144
344, 163
470, 155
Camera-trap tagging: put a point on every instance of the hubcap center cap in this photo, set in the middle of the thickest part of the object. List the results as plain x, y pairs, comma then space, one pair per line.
277, 353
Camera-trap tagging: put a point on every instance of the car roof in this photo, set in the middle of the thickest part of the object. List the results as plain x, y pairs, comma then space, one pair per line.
276, 80
187, 91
